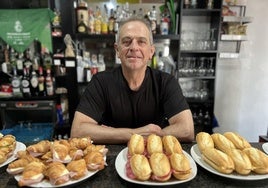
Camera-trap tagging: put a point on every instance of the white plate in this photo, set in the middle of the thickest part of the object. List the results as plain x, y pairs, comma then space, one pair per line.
265, 147
19, 146
121, 161
45, 183
197, 157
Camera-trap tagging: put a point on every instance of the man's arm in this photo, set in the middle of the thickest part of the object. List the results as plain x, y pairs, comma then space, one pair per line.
181, 126
83, 126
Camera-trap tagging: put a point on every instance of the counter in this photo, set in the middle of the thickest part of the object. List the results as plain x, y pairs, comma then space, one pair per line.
110, 179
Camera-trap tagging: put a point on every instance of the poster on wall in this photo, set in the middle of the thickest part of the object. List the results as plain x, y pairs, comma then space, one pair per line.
20, 27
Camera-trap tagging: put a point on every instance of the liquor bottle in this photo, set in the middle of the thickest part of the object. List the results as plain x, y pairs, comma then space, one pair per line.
98, 19
25, 82
153, 19
82, 9
19, 63
104, 21
34, 84
16, 83
27, 59
41, 83
117, 18
82, 27
140, 14
36, 62
49, 83
101, 63
91, 20
111, 22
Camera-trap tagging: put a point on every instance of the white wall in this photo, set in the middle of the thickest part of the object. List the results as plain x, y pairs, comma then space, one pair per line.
242, 86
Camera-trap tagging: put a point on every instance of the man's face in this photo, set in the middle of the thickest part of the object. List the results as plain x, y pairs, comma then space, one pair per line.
134, 48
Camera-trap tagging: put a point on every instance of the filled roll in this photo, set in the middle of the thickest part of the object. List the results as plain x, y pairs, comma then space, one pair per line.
161, 170
218, 160
222, 143
181, 167
237, 140
154, 144
258, 159
136, 145
204, 140
171, 145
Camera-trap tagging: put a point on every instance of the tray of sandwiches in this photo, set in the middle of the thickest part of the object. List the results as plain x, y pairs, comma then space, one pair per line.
8, 149
155, 161
230, 155
57, 163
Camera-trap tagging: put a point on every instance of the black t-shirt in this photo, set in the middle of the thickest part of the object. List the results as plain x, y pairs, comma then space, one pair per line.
109, 100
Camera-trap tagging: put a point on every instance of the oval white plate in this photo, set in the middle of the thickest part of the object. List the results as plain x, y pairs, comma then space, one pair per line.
19, 146
265, 147
121, 161
197, 157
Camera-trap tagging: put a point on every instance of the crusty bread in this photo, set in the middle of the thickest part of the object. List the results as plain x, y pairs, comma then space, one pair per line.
222, 143
218, 160
237, 140
171, 145
154, 144
241, 160
181, 167
160, 167
258, 159
136, 145
204, 140
140, 167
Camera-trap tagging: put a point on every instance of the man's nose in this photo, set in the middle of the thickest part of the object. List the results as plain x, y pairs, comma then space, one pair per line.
134, 45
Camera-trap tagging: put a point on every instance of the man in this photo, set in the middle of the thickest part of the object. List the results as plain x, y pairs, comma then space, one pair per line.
133, 98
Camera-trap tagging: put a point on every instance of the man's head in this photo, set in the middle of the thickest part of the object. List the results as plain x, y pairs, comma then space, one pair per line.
134, 44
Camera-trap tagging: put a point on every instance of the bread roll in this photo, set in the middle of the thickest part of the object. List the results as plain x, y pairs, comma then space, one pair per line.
171, 145
241, 161
181, 167
258, 159
154, 144
160, 165
140, 167
237, 140
218, 160
136, 145
222, 143
204, 140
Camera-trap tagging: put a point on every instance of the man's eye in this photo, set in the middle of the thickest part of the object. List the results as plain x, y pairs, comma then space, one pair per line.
126, 42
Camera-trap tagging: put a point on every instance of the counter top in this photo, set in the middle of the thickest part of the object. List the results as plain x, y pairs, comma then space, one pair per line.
109, 178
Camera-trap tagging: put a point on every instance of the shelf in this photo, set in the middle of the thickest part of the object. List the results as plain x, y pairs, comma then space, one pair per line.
199, 12
240, 19
197, 77
228, 55
198, 51
225, 37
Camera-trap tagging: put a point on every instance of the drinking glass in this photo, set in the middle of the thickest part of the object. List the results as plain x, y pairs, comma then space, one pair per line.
212, 39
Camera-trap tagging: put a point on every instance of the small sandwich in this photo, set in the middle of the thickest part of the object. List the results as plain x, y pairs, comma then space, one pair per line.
95, 161
138, 168
258, 159
204, 140
161, 170
171, 145
238, 141
136, 145
57, 173
32, 173
77, 169
241, 160
60, 152
219, 160
181, 167
39, 148
154, 144
222, 143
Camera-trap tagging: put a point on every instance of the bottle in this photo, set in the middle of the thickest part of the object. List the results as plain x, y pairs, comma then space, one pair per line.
98, 20
19, 63
16, 83
111, 22
49, 83
101, 63
27, 59
91, 20
82, 27
153, 19
140, 14
41, 83
59, 115
82, 9
104, 21
25, 83
34, 84
117, 19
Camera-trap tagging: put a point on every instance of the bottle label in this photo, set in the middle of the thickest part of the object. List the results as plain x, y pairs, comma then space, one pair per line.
34, 82
15, 83
25, 83
81, 29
